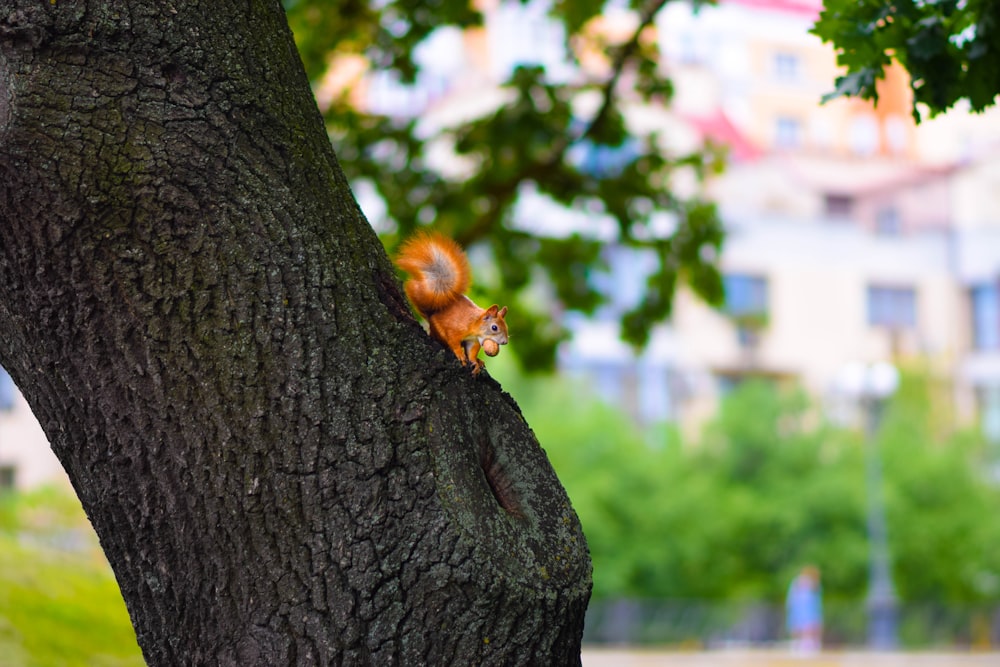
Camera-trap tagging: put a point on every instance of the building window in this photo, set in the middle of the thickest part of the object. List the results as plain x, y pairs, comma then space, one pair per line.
985, 317
887, 222
863, 135
787, 132
8, 392
838, 206
892, 307
786, 66
8, 477
746, 295
654, 399
689, 53
746, 305
821, 132
896, 135
989, 412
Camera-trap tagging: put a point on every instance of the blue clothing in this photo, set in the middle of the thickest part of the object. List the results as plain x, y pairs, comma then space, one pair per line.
804, 604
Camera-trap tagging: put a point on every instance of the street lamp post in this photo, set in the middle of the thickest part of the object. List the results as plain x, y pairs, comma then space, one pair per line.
871, 385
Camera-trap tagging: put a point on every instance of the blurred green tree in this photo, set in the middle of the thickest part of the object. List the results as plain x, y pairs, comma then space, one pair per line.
535, 140
768, 488
951, 49
941, 494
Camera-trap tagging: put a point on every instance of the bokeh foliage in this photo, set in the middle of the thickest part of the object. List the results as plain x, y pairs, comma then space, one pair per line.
532, 141
767, 487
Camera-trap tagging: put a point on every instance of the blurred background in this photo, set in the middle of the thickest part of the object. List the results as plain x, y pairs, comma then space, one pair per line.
756, 334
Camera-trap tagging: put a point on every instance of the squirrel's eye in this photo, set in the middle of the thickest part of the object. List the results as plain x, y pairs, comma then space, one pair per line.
495, 328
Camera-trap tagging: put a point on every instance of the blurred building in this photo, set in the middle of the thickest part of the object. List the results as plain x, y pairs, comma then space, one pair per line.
853, 234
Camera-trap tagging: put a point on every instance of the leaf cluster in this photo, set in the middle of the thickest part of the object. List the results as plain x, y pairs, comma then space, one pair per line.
535, 142
951, 49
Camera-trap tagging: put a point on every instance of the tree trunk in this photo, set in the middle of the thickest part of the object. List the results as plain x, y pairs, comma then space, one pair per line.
281, 466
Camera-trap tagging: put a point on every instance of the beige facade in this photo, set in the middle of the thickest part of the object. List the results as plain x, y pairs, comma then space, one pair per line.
866, 233
26, 460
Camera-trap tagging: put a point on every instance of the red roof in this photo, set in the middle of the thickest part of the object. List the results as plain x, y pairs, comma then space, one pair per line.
717, 127
810, 8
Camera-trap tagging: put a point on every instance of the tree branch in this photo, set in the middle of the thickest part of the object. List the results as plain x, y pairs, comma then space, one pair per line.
503, 193
622, 55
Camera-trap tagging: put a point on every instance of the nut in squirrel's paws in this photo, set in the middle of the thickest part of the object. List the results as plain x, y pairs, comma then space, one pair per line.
491, 348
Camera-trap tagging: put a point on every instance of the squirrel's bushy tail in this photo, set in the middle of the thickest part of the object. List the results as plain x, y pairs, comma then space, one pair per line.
438, 268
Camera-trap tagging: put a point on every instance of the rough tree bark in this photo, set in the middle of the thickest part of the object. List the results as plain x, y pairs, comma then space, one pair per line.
281, 466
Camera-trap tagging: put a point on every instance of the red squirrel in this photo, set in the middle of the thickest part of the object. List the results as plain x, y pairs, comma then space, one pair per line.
439, 278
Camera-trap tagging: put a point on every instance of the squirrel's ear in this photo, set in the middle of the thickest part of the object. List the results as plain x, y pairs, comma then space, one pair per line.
503, 312
492, 310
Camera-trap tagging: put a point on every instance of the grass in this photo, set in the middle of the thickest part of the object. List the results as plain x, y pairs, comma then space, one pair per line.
59, 602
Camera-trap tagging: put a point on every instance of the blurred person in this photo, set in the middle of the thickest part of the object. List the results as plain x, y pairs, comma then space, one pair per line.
804, 611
